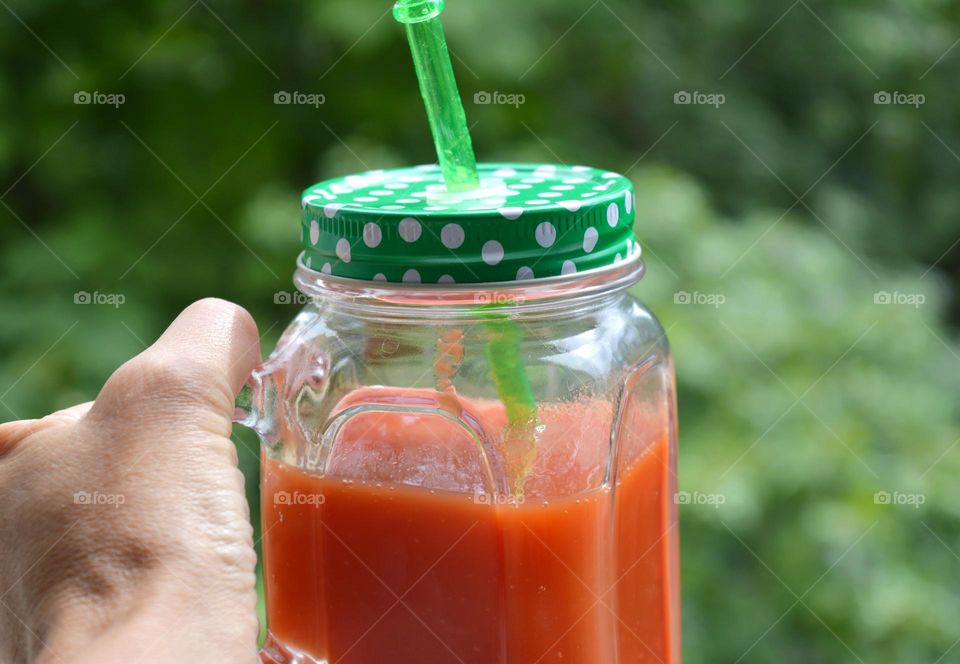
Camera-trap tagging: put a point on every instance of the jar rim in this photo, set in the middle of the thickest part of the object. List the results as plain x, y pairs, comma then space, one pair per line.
543, 292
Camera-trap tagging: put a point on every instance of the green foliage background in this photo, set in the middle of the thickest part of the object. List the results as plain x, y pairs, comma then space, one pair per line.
798, 201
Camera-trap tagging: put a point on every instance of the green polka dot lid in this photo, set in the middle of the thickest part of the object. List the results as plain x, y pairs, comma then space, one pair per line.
527, 221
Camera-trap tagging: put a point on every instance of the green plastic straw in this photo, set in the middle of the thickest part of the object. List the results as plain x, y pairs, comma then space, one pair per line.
513, 387
506, 361
448, 122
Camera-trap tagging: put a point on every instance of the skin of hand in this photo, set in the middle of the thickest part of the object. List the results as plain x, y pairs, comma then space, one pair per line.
124, 531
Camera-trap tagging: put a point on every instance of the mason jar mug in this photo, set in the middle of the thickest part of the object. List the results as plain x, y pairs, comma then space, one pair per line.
469, 432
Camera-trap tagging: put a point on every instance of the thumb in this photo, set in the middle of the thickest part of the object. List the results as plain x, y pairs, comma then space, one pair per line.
193, 371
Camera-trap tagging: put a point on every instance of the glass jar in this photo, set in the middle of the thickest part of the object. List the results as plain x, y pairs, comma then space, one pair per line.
415, 510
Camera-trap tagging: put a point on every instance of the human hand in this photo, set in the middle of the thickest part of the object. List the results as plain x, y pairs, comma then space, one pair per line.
124, 531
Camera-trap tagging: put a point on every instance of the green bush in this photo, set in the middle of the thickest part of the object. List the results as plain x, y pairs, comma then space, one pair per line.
801, 398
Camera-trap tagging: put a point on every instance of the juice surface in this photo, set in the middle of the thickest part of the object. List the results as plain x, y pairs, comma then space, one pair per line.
377, 570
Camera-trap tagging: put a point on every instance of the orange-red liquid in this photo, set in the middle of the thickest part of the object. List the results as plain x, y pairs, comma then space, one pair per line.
372, 572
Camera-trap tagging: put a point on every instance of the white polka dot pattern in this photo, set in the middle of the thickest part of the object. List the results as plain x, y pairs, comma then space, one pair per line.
452, 236
613, 214
343, 250
546, 234
372, 235
525, 222
492, 252
410, 229
590, 238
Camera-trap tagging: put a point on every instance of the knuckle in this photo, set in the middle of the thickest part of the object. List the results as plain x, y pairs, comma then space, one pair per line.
212, 308
161, 377
150, 381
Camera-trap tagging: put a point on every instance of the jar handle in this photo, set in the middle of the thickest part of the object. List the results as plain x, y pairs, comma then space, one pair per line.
256, 406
